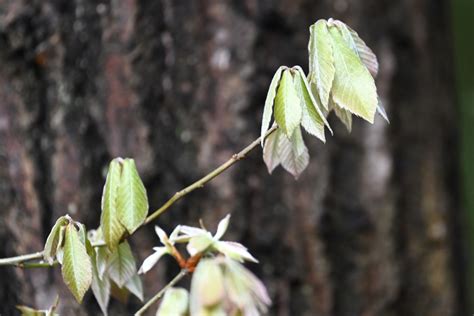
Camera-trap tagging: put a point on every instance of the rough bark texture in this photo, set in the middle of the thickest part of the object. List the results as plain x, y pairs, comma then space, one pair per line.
369, 229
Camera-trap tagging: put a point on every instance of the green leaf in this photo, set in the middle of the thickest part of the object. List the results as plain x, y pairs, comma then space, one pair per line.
175, 303
121, 264
321, 60
353, 87
290, 160
344, 115
269, 101
271, 155
287, 104
207, 286
135, 286
132, 201
100, 285
53, 241
366, 55
76, 267
313, 119
112, 229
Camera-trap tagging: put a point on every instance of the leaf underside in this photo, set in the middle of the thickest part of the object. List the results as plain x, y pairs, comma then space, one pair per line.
121, 264
269, 101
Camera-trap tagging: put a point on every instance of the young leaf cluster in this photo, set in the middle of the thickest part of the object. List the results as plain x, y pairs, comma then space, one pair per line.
114, 272
124, 201
341, 79
111, 270
67, 244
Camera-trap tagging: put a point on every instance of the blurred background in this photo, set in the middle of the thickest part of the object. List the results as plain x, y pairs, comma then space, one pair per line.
381, 223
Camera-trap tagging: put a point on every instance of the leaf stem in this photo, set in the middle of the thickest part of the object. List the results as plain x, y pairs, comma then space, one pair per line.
158, 295
177, 196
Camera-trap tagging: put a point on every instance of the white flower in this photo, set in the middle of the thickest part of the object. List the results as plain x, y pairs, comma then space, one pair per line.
200, 240
167, 248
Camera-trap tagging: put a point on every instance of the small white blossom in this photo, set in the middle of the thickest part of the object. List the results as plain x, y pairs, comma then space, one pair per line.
167, 248
200, 240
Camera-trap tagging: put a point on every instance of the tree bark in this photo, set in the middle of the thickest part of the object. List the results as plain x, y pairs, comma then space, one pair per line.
371, 228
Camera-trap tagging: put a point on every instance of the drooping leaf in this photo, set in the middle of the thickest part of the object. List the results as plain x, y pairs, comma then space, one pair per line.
382, 112
344, 115
132, 201
294, 164
353, 87
76, 267
121, 264
112, 229
102, 254
321, 60
207, 286
271, 155
135, 286
53, 241
175, 303
287, 104
100, 284
313, 119
366, 55
269, 101
297, 142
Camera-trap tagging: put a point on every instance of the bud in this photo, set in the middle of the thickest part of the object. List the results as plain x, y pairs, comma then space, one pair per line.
175, 303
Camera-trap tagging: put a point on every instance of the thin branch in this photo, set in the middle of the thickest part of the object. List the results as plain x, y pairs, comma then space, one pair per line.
19, 259
177, 196
201, 182
158, 295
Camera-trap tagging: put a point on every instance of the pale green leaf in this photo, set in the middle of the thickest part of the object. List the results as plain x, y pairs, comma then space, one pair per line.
366, 55
313, 119
100, 284
297, 142
76, 267
271, 155
353, 87
207, 286
132, 201
102, 254
344, 115
112, 229
287, 104
175, 303
135, 286
121, 264
294, 164
54, 238
269, 101
321, 60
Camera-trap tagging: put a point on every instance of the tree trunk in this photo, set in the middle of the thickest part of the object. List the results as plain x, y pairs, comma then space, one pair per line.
371, 228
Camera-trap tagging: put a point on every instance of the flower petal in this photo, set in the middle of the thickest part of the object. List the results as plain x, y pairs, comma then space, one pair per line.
150, 262
234, 250
222, 227
199, 243
191, 231
162, 235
